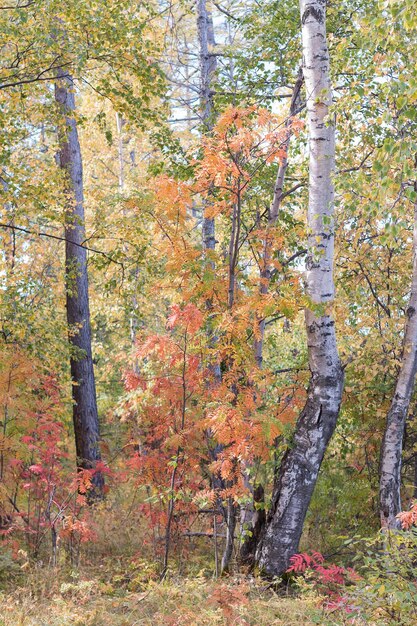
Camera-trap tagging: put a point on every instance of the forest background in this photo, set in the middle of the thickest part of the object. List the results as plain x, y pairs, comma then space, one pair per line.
207, 312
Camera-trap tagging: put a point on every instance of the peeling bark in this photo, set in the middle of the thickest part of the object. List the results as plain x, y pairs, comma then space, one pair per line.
392, 444
300, 466
85, 415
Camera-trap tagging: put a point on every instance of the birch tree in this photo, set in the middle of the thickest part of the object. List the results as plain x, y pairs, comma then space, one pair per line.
300, 466
208, 66
392, 444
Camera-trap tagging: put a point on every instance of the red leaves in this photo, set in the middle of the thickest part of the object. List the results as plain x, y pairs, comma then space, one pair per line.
165, 414
36, 471
228, 598
188, 318
330, 579
26, 439
303, 561
133, 381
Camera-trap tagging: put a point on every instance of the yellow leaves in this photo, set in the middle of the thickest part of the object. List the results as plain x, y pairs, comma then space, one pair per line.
206, 497
173, 197
6, 443
286, 413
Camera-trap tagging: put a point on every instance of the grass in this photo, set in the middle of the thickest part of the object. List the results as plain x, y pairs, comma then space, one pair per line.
47, 599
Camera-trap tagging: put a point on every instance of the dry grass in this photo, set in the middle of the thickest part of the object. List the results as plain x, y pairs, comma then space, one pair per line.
46, 600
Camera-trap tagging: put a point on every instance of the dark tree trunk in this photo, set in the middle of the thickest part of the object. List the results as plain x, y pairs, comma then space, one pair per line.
85, 416
253, 520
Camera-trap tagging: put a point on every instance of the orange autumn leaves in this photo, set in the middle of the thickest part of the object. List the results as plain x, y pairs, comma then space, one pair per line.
176, 410
226, 170
408, 518
174, 404
243, 142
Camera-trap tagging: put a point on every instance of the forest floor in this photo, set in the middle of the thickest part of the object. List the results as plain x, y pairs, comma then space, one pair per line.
45, 600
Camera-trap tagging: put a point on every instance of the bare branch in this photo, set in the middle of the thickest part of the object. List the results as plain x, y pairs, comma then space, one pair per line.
58, 238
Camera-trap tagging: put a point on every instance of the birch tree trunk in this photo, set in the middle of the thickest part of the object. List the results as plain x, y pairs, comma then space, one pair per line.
300, 466
85, 416
392, 445
208, 67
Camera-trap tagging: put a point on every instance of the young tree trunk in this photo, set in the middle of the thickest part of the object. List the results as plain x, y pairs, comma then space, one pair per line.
253, 517
300, 466
392, 444
252, 521
85, 416
273, 213
208, 67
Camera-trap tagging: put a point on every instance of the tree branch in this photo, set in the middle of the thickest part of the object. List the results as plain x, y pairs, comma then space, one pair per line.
58, 238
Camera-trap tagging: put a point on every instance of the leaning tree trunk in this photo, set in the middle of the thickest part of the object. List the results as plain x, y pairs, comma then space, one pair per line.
252, 514
300, 466
273, 213
85, 416
392, 445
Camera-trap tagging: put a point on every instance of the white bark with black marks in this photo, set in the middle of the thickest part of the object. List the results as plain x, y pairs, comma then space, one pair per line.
85, 415
208, 67
392, 444
300, 466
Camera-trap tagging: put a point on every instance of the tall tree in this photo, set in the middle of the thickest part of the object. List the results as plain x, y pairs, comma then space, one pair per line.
300, 466
208, 67
392, 444
85, 414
